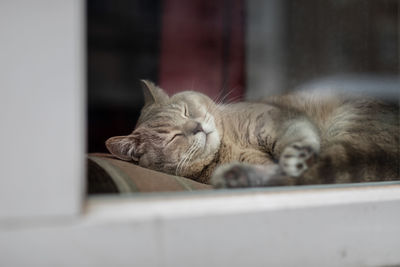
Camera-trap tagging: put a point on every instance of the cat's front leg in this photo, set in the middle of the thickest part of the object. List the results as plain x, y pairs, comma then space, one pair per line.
297, 147
242, 175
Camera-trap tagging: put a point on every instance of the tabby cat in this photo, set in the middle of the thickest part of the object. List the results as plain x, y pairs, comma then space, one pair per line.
299, 138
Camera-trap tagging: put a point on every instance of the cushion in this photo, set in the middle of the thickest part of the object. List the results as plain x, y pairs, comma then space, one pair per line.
109, 175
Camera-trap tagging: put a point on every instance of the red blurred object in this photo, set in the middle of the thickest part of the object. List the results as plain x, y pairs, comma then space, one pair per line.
203, 47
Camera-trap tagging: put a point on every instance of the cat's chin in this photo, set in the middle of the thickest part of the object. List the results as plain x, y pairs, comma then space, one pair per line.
211, 143
208, 146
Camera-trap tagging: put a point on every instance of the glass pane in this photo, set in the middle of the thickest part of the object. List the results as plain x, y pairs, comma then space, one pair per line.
235, 51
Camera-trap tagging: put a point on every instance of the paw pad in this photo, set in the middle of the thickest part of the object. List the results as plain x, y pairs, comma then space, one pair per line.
296, 158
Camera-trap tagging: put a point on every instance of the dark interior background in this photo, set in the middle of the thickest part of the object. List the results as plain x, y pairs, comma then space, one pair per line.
340, 36
123, 38
126, 42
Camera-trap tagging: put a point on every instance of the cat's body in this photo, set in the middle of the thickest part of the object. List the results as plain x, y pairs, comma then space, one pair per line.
302, 138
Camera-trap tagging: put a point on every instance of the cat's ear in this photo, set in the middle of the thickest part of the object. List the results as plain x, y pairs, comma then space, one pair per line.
152, 93
124, 147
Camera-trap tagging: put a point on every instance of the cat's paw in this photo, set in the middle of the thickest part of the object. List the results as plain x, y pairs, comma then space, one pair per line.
240, 175
296, 159
235, 175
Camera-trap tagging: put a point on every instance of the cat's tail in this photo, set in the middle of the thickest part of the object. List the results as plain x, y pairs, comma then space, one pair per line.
346, 163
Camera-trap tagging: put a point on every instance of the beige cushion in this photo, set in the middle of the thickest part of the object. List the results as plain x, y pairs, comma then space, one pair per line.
107, 174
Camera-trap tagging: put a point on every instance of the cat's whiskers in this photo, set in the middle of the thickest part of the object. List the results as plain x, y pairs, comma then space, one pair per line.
187, 157
212, 106
233, 99
222, 100
218, 97
184, 159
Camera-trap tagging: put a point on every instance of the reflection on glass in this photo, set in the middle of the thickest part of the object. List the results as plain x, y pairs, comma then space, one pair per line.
243, 50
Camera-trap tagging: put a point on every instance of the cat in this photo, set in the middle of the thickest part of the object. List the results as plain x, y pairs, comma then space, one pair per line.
295, 139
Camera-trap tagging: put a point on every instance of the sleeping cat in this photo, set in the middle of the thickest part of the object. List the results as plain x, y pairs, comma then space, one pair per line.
300, 138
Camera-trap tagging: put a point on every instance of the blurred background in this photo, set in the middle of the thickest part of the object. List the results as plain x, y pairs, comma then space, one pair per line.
242, 49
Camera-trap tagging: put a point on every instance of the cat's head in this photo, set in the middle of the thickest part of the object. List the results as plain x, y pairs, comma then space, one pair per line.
177, 134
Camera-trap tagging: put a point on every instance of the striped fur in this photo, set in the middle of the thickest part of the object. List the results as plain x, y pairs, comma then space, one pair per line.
301, 138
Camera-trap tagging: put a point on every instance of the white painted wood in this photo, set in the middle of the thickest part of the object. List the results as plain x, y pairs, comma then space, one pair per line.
41, 107
312, 227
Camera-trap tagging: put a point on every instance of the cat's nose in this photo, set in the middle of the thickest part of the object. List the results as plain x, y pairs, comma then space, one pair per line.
198, 128
192, 127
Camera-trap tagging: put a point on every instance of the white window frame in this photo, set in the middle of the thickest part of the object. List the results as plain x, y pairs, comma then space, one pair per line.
42, 113
306, 226
46, 221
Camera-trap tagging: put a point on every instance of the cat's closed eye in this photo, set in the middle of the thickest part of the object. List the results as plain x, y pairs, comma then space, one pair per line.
186, 111
175, 136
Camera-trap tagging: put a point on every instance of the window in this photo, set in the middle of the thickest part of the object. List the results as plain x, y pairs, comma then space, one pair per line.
44, 218
244, 50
